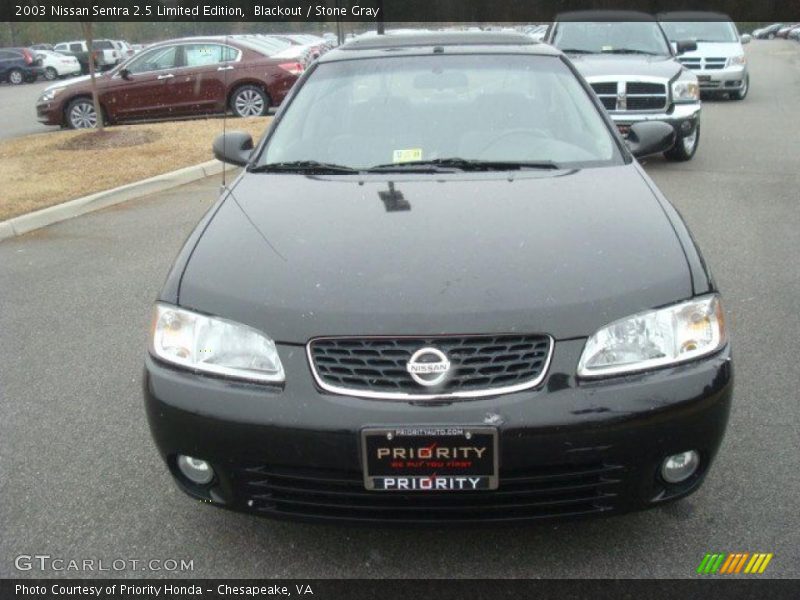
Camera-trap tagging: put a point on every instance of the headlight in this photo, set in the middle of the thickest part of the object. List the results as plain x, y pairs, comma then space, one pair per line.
737, 61
656, 338
213, 345
685, 90
48, 95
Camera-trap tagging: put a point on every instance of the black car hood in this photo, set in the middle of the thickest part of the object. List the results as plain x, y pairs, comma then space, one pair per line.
561, 253
628, 65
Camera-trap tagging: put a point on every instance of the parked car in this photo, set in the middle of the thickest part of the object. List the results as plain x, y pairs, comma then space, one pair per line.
783, 32
794, 34
442, 289
18, 65
767, 33
105, 55
294, 57
56, 64
630, 64
719, 60
178, 78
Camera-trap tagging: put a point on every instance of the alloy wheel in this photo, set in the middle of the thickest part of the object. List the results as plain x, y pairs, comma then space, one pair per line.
50, 74
249, 103
83, 116
15, 77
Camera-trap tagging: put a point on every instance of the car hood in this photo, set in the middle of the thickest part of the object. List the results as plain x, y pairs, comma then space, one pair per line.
626, 65
561, 253
715, 49
81, 81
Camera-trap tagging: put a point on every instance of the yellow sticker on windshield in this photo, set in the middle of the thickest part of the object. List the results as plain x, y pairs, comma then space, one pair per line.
408, 155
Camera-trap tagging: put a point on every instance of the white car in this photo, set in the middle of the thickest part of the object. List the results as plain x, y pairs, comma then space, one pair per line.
57, 65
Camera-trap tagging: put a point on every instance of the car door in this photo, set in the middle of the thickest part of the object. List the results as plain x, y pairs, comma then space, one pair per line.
209, 67
148, 89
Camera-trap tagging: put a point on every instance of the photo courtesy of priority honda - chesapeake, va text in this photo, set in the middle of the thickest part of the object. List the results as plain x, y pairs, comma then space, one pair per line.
443, 289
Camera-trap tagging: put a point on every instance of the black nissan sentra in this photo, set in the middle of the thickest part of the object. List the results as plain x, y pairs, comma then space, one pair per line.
442, 289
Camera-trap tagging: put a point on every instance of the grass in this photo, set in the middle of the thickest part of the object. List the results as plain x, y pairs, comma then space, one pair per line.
41, 170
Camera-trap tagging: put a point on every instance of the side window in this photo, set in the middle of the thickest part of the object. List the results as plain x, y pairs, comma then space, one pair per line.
76, 47
60, 47
155, 60
199, 55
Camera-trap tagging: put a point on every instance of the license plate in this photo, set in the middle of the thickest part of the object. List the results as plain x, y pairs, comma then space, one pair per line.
704, 78
430, 459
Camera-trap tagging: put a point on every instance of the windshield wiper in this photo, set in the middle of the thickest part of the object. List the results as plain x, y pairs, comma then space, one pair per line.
465, 164
301, 166
629, 51
576, 51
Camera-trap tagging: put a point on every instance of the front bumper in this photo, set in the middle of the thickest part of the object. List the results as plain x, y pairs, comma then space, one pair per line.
50, 113
684, 118
722, 80
566, 449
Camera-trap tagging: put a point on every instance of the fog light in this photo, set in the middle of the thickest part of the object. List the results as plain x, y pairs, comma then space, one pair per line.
679, 467
686, 126
195, 470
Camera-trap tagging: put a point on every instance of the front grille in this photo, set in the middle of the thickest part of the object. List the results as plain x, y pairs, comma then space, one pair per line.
540, 493
708, 64
631, 95
479, 364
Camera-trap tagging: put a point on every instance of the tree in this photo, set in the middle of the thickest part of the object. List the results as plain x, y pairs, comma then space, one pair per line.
88, 31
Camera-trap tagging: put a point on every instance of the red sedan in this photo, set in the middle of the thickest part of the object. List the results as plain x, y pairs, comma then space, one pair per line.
177, 78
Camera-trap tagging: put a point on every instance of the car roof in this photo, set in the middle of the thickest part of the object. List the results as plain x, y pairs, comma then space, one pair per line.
424, 42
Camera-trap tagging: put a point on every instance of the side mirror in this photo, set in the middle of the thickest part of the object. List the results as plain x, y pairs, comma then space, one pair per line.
745, 38
125, 74
685, 46
650, 137
234, 147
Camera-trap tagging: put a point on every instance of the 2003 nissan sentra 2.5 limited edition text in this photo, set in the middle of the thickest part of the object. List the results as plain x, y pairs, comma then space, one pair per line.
442, 289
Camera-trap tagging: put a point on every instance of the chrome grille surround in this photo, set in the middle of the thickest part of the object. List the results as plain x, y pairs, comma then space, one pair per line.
518, 385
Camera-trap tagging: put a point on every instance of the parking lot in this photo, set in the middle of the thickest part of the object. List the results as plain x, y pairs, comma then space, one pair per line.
81, 479
19, 109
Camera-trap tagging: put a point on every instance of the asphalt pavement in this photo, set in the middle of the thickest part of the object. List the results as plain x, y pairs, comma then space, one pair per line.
81, 479
19, 109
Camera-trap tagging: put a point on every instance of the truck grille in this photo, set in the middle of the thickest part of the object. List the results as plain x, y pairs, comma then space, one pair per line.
631, 95
539, 493
479, 365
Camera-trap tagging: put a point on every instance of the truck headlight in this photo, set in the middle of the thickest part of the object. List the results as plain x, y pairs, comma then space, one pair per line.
213, 345
737, 61
656, 338
685, 90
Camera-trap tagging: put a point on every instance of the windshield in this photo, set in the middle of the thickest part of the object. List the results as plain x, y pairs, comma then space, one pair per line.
643, 37
700, 31
390, 111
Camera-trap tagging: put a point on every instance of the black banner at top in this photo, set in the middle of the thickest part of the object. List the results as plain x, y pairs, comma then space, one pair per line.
370, 11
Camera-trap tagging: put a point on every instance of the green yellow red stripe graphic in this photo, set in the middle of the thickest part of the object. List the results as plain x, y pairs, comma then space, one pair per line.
734, 563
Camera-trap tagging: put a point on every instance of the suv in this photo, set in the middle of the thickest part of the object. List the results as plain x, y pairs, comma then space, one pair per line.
105, 54
632, 67
719, 60
18, 65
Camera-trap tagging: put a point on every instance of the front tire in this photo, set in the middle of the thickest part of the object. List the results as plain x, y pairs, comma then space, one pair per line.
50, 74
685, 146
80, 114
15, 77
741, 94
249, 101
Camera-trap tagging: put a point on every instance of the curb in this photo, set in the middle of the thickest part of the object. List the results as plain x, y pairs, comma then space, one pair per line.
73, 208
